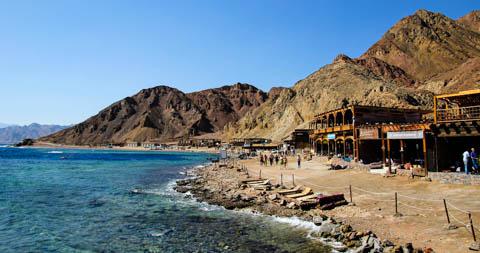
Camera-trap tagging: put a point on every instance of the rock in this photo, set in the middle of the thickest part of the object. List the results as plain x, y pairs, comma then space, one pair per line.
317, 220
474, 246
292, 205
283, 202
346, 228
273, 196
387, 243
408, 248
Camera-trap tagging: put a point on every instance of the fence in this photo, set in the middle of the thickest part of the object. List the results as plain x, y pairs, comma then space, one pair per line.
397, 200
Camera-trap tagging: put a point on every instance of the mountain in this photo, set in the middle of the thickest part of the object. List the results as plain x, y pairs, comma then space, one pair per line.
163, 113
15, 134
3, 125
423, 54
366, 81
440, 53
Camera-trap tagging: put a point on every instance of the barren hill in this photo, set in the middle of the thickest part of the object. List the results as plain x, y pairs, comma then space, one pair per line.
163, 113
366, 81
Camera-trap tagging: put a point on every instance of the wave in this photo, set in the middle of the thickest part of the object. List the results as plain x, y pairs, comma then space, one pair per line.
55, 152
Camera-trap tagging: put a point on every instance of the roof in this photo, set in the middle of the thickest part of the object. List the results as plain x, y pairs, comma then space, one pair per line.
462, 98
372, 108
400, 127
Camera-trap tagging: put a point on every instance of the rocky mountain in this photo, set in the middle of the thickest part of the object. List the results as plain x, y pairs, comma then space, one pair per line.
423, 54
433, 49
163, 113
353, 81
15, 134
3, 125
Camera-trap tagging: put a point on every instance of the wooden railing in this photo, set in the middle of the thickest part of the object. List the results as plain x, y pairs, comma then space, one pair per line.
334, 129
458, 114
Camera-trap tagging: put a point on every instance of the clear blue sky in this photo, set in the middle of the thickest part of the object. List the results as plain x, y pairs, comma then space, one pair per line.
63, 61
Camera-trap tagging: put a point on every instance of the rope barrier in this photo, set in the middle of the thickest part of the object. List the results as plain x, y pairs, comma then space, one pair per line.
420, 199
377, 193
454, 207
414, 207
382, 200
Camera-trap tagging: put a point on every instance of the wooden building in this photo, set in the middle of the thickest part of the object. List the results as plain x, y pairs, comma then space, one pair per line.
335, 132
456, 127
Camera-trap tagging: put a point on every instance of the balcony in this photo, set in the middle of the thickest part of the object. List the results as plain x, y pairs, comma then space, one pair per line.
334, 129
458, 114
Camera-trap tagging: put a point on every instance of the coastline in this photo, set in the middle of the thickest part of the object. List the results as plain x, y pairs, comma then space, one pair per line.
221, 186
140, 149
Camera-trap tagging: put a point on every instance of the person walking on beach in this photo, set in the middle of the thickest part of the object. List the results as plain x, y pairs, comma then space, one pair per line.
299, 160
276, 159
261, 160
271, 159
474, 157
265, 160
285, 161
465, 155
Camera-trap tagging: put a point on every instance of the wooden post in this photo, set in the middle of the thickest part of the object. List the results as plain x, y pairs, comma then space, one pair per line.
248, 175
471, 226
389, 157
425, 163
396, 204
351, 198
281, 179
436, 153
260, 175
402, 151
383, 149
293, 179
446, 210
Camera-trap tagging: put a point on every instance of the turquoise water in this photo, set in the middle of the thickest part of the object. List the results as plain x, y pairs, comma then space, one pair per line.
80, 201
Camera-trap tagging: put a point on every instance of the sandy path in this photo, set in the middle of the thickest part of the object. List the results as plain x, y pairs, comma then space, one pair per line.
423, 222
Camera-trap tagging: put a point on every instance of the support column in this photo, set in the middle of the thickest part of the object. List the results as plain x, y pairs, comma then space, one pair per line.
389, 157
424, 142
402, 151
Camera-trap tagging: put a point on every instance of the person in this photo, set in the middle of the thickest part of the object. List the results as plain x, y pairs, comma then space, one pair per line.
465, 155
261, 160
276, 159
265, 159
474, 157
285, 161
299, 159
271, 159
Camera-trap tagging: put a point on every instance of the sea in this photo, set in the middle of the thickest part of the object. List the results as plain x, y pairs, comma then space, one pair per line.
79, 200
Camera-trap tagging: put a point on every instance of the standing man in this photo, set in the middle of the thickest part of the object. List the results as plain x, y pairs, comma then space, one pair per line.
466, 155
299, 160
474, 157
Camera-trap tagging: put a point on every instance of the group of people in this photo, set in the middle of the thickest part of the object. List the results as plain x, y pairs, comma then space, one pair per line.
272, 159
470, 158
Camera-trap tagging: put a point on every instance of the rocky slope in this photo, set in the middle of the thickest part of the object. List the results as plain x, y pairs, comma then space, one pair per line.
162, 113
365, 81
15, 134
423, 54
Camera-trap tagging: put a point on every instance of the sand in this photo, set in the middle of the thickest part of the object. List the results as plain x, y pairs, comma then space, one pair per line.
423, 217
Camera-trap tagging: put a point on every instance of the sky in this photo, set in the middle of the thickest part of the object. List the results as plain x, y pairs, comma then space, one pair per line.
63, 61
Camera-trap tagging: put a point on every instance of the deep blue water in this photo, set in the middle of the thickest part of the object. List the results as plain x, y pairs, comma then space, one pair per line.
80, 201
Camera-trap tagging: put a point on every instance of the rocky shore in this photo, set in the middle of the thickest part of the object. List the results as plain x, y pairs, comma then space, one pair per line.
223, 186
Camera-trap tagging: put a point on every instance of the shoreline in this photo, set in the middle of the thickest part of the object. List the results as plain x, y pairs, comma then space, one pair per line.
220, 187
139, 149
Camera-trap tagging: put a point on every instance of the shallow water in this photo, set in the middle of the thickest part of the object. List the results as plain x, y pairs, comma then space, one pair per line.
55, 200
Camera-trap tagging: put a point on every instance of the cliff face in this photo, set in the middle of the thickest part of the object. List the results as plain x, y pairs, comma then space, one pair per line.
162, 113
